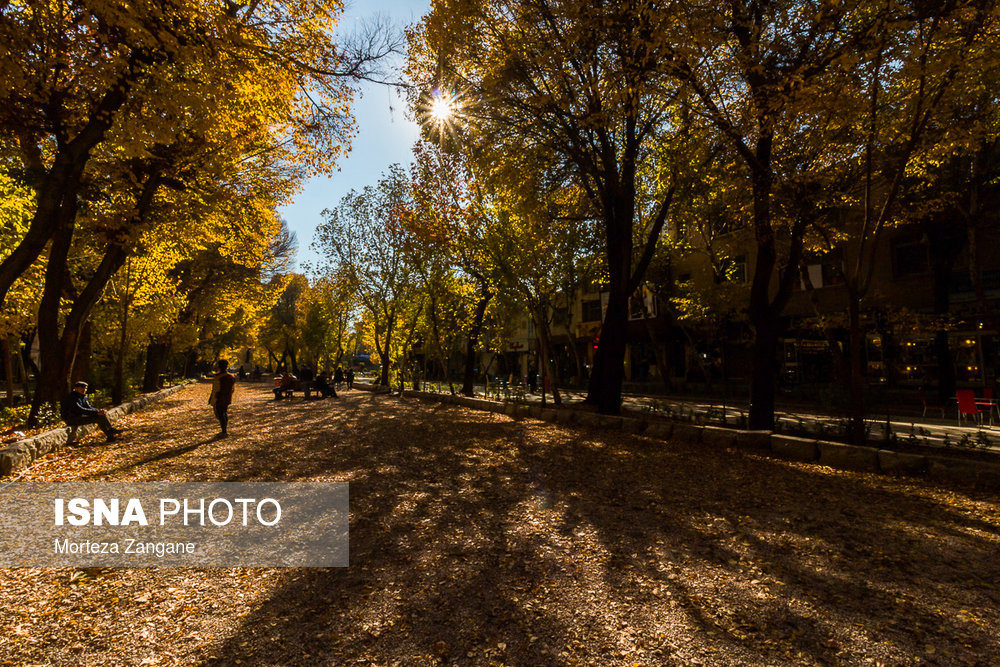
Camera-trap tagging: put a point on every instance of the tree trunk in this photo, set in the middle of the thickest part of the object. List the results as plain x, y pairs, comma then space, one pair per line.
272, 356
468, 382
56, 202
156, 357
763, 314
605, 388
383, 378
943, 261
857, 384
118, 387
53, 377
8, 371
436, 332
764, 376
25, 352
551, 369
81, 360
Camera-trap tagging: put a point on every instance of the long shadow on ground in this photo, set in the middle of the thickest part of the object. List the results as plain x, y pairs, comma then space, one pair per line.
479, 539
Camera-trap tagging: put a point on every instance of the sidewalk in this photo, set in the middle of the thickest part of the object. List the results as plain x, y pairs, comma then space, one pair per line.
914, 430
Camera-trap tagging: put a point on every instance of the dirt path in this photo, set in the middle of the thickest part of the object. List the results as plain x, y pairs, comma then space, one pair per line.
477, 540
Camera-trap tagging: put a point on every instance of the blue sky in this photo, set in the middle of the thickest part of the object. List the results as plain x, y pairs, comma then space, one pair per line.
384, 134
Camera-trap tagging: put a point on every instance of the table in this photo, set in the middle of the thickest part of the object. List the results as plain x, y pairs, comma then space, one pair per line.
990, 403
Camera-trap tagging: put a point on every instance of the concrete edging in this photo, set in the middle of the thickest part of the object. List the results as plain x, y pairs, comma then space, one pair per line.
23, 453
833, 454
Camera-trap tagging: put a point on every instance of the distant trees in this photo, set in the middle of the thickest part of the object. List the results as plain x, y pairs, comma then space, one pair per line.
364, 242
156, 130
449, 227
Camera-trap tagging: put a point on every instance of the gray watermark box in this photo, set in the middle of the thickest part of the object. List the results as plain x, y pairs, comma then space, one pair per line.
164, 524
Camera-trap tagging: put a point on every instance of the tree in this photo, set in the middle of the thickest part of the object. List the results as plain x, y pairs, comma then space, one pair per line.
539, 239
757, 70
157, 96
447, 222
890, 104
328, 311
591, 84
363, 239
73, 71
283, 330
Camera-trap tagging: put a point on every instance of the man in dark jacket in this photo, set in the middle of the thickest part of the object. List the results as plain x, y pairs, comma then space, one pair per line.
76, 411
222, 395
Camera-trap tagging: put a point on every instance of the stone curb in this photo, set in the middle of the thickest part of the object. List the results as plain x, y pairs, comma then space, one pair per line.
365, 386
848, 457
834, 454
23, 453
796, 449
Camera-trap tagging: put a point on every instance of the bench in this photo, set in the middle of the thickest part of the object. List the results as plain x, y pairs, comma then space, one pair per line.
288, 392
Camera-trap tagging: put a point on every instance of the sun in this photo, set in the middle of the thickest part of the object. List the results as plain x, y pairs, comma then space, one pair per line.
442, 108
443, 112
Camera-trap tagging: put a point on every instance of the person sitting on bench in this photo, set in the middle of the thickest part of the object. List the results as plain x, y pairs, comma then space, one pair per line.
322, 385
284, 386
76, 410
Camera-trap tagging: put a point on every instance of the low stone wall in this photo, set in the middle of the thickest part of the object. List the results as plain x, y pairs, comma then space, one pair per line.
367, 386
834, 454
23, 453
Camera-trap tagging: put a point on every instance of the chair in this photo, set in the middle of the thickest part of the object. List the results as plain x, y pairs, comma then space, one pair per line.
988, 403
967, 405
928, 406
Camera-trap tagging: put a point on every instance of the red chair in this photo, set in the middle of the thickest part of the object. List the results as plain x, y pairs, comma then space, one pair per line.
928, 406
967, 405
987, 403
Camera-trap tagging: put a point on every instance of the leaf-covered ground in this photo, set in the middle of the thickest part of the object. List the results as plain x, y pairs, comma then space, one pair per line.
477, 539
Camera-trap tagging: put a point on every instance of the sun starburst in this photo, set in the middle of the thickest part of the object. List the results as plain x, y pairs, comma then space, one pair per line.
442, 108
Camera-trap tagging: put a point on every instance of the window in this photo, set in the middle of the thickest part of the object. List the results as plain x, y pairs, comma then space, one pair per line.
592, 310
738, 270
733, 269
831, 275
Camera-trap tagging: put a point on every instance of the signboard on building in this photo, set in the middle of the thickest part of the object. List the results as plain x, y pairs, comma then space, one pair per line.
642, 304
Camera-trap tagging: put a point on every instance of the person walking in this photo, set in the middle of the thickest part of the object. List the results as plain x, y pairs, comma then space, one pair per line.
76, 410
338, 377
222, 395
349, 377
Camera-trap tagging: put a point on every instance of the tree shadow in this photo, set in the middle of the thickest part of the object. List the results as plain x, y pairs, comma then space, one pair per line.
479, 539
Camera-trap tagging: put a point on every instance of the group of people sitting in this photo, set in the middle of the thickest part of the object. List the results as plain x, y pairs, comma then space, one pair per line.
322, 384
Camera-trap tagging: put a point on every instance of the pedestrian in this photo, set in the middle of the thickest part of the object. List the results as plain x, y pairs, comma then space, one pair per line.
338, 377
222, 395
349, 376
306, 375
76, 410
